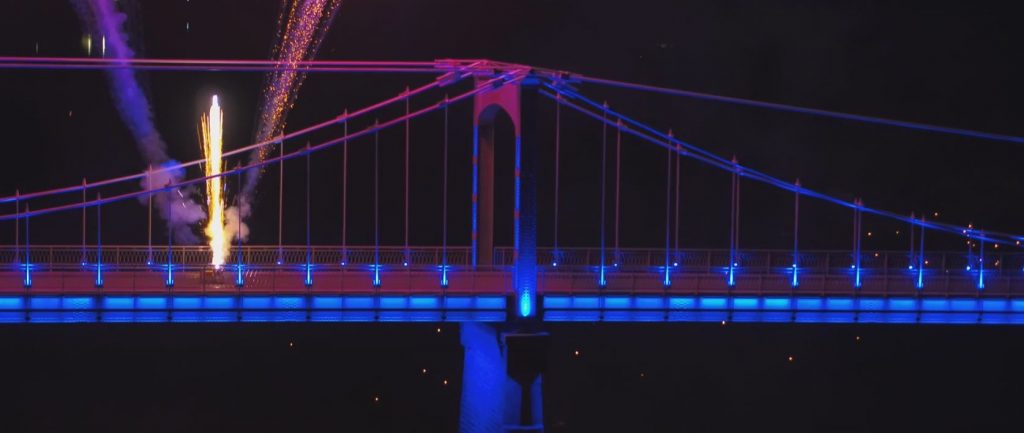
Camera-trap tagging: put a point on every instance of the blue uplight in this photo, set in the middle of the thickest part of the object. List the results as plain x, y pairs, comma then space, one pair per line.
525, 304
170, 276
795, 282
308, 281
376, 275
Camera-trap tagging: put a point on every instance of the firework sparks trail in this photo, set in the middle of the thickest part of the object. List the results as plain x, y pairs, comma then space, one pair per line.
302, 26
102, 18
212, 126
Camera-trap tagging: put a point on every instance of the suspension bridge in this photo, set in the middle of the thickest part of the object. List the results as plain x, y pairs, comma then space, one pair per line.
481, 282
501, 295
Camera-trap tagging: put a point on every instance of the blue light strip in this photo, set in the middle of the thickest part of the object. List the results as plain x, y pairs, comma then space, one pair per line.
937, 310
325, 308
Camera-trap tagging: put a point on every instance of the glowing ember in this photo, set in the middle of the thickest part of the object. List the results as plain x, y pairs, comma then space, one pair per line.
212, 126
302, 26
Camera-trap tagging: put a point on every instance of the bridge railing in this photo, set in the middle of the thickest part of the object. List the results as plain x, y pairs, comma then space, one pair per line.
70, 257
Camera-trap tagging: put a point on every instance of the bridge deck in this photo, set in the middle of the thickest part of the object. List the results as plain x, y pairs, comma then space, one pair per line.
63, 289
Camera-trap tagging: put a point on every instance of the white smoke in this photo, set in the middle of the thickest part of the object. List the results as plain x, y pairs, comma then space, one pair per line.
175, 206
233, 228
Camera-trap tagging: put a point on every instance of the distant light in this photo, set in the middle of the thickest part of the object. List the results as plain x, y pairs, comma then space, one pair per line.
376, 399
876, 254
675, 263
438, 330
445, 382
858, 338
405, 263
791, 358
897, 232
576, 353
926, 262
291, 344
424, 371
936, 214
642, 375
342, 263
555, 264
723, 323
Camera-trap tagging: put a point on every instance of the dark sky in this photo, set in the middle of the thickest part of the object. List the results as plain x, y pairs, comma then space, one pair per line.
943, 62
936, 62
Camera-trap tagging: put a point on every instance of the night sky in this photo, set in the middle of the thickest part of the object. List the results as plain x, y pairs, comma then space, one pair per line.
938, 62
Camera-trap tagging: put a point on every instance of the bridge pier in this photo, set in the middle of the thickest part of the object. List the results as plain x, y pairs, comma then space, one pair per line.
501, 379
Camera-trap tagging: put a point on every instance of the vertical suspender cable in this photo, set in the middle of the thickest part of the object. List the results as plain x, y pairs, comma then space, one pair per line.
344, 193
170, 258
309, 249
99, 241
84, 257
280, 203
444, 203
667, 280
28, 249
558, 139
239, 281
601, 281
149, 230
856, 242
679, 158
912, 258
920, 258
618, 187
981, 263
17, 226
376, 204
796, 236
406, 258
733, 220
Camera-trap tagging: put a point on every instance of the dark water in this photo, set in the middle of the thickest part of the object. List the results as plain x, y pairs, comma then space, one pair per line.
369, 377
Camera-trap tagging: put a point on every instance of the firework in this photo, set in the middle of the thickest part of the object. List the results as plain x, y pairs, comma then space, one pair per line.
302, 26
212, 130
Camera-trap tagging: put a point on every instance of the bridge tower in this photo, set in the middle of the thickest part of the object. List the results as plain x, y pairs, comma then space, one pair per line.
518, 100
503, 365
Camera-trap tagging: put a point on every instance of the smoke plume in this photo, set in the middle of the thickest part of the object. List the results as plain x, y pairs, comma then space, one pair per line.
177, 207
